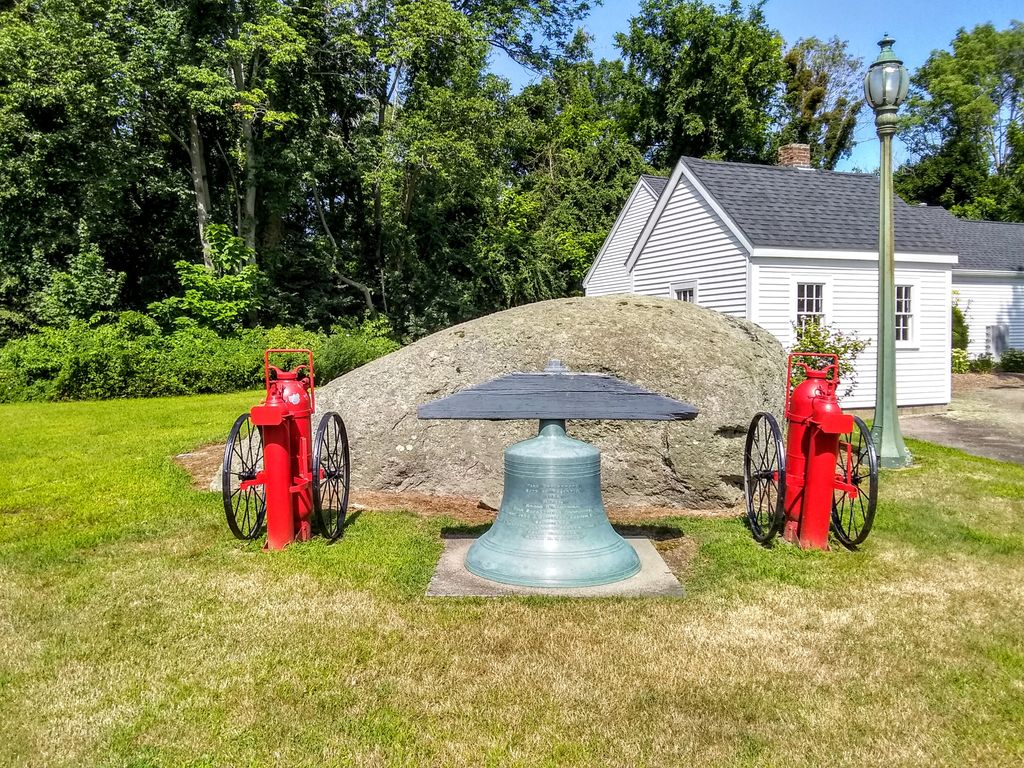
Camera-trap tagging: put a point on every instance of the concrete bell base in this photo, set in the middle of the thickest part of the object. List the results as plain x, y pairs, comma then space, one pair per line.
452, 579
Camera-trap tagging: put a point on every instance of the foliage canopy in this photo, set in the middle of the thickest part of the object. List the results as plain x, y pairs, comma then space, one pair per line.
234, 165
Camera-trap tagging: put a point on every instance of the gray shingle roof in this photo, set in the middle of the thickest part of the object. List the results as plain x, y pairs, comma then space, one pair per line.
992, 245
785, 207
657, 183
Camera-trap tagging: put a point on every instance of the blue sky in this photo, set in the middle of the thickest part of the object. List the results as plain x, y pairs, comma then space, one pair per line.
919, 27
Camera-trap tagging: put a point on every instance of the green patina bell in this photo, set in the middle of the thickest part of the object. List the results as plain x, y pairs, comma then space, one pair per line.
552, 529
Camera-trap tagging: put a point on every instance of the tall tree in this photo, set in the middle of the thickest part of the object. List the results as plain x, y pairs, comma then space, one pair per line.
72, 159
963, 125
425, 141
206, 74
822, 99
575, 166
701, 80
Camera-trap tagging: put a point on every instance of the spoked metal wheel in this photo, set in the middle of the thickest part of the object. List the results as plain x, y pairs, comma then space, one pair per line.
856, 491
245, 501
331, 475
764, 477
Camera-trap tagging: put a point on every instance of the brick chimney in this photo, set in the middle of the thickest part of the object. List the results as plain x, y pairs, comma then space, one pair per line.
795, 155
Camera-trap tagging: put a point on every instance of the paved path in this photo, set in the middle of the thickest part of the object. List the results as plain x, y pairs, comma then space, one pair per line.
986, 418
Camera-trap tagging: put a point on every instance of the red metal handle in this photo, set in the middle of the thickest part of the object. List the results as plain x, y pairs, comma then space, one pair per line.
834, 367
308, 365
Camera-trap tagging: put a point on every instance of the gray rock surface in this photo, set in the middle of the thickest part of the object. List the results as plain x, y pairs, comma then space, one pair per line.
728, 368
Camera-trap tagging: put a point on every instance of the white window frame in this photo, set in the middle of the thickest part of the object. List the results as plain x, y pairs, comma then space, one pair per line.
826, 296
683, 285
915, 312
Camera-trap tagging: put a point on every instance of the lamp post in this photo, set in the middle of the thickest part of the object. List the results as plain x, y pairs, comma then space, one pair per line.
885, 87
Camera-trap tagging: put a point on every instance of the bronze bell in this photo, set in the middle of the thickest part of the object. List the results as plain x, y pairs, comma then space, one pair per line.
552, 529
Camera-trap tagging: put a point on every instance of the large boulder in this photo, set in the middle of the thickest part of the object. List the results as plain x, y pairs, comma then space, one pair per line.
728, 368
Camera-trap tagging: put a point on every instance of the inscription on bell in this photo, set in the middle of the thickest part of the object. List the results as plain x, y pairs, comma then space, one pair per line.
552, 529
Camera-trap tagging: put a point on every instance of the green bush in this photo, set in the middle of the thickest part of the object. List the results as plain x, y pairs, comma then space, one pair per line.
826, 339
961, 337
1012, 361
128, 355
86, 288
961, 364
982, 364
350, 347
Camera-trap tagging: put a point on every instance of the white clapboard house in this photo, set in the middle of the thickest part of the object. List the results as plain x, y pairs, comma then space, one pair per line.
778, 244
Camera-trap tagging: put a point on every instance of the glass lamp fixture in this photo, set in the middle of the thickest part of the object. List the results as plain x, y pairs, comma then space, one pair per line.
886, 82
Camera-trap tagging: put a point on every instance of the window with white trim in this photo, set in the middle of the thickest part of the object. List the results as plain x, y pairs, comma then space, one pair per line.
810, 303
684, 291
904, 313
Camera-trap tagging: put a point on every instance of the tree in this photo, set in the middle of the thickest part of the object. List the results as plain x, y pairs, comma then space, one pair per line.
575, 167
205, 72
403, 177
964, 126
358, 155
69, 156
85, 289
701, 81
822, 99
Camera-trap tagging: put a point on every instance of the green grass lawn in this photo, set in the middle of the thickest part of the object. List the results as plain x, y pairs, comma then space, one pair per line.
135, 631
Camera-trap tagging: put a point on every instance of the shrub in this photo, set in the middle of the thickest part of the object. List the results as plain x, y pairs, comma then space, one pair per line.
960, 332
824, 338
961, 364
220, 302
350, 347
128, 355
85, 288
1012, 361
221, 298
982, 364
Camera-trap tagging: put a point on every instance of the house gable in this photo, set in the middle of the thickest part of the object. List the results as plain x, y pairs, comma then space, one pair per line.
800, 208
678, 173
689, 250
608, 274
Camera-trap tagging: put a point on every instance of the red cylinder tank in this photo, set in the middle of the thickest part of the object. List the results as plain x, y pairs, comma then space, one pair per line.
815, 423
284, 419
272, 417
798, 414
300, 407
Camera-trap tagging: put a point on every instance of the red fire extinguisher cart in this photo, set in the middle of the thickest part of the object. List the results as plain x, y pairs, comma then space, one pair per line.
276, 472
826, 476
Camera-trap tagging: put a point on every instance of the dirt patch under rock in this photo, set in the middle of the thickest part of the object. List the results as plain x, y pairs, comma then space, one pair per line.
203, 463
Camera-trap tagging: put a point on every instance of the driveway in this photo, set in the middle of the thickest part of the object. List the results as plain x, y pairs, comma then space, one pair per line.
986, 418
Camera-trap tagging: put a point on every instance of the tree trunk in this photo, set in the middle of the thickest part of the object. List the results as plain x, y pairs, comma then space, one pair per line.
393, 79
248, 232
236, 200
361, 287
273, 232
200, 183
247, 226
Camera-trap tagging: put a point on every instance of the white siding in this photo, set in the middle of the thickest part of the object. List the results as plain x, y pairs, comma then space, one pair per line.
851, 304
689, 242
609, 273
989, 301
